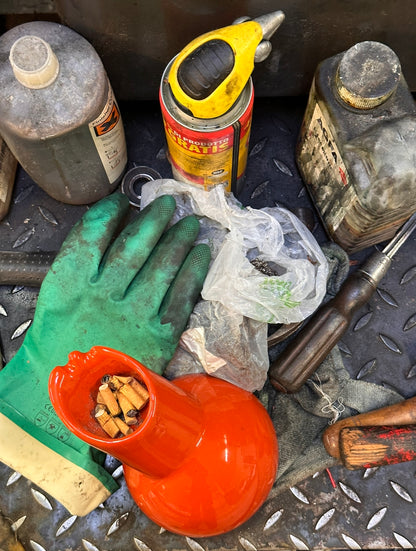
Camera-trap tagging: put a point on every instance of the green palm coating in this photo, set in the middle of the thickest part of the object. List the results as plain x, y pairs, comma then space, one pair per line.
133, 293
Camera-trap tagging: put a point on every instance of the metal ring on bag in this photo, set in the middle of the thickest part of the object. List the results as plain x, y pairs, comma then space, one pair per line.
134, 180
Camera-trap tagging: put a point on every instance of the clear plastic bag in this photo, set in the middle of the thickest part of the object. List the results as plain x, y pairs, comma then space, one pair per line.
273, 238
223, 344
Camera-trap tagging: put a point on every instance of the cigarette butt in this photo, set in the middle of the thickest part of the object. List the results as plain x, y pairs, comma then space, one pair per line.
107, 423
122, 426
100, 399
124, 380
129, 411
109, 399
140, 389
118, 402
101, 414
99, 410
135, 398
111, 428
114, 382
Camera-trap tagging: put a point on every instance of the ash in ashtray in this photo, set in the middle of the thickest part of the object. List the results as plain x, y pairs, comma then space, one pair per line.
263, 267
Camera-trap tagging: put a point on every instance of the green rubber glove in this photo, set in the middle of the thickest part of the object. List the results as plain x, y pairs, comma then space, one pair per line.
133, 292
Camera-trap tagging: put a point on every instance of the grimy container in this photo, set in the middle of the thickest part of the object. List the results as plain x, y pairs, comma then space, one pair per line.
58, 113
206, 97
357, 146
208, 152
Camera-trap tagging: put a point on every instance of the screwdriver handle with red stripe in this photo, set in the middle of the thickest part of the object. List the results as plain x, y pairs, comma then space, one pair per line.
367, 447
377, 437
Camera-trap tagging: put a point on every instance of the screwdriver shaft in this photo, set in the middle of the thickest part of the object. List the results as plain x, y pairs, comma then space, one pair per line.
394, 245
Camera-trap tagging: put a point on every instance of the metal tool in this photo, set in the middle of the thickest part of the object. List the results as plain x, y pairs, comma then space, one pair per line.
24, 268
346, 445
315, 340
134, 180
282, 332
8, 537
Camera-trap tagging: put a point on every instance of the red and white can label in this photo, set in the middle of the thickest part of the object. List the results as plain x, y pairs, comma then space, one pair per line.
209, 158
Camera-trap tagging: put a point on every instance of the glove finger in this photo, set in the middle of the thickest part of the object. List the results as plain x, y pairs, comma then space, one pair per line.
85, 245
185, 289
152, 283
134, 245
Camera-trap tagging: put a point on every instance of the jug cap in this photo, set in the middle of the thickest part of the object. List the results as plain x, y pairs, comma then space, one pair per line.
367, 74
33, 62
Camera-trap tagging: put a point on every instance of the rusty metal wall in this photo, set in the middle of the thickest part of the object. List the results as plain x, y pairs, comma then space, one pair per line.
136, 39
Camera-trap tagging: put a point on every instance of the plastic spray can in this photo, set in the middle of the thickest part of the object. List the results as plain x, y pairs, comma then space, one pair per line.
357, 146
206, 97
58, 114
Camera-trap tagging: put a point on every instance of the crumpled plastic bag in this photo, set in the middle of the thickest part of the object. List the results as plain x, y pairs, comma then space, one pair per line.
274, 238
223, 344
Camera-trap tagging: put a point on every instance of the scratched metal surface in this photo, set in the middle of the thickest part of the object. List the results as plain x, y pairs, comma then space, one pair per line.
373, 509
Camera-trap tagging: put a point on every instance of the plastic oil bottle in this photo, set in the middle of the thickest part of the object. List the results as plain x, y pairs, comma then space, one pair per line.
357, 146
58, 114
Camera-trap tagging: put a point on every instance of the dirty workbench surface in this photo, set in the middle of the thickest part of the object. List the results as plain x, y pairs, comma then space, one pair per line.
367, 509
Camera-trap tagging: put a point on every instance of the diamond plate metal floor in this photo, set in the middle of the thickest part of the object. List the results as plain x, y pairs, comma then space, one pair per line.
368, 509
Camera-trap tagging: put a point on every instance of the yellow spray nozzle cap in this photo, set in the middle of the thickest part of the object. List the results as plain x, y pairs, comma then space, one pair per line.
210, 73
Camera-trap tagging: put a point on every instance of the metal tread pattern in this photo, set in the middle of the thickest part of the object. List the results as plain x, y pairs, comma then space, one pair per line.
340, 509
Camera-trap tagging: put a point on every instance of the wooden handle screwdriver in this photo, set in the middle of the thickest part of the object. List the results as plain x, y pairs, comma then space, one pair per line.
366, 447
320, 334
400, 414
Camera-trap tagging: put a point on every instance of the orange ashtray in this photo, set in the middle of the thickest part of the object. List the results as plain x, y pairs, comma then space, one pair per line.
204, 456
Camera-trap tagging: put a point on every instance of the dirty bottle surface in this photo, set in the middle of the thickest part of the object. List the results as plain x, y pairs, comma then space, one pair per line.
58, 113
8, 166
357, 146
